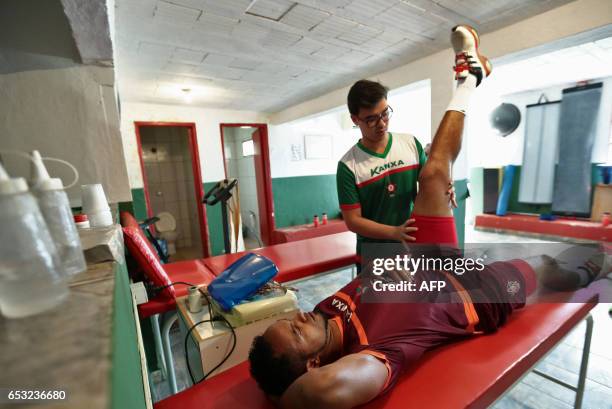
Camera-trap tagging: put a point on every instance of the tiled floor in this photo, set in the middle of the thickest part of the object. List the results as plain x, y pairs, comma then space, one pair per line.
533, 392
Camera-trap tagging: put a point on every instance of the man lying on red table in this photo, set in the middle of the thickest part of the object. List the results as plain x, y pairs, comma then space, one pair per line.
347, 351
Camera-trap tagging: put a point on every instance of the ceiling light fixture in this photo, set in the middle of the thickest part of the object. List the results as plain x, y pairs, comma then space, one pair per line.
187, 97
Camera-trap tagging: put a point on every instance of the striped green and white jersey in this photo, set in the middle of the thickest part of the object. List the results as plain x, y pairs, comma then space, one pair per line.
383, 185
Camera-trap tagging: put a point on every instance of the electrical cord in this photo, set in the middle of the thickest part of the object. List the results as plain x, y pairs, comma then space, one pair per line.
206, 375
156, 290
211, 320
235, 339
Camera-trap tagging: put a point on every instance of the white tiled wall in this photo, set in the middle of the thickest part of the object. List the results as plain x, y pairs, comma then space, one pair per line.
168, 166
242, 168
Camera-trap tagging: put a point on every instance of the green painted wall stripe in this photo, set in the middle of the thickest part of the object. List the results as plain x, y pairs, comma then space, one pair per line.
215, 228
126, 372
459, 213
138, 205
298, 199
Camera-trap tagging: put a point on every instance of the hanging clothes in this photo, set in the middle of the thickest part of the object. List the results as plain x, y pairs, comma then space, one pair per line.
235, 221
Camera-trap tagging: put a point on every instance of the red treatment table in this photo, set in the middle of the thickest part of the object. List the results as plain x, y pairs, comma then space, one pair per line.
308, 231
472, 373
299, 259
562, 227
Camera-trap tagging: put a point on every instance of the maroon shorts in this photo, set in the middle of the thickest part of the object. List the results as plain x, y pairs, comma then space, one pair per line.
528, 274
441, 230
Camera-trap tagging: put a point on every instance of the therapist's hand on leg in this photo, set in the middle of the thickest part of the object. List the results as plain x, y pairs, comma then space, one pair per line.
451, 195
369, 228
403, 231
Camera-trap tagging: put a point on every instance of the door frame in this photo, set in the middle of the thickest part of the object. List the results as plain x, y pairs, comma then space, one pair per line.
197, 174
263, 179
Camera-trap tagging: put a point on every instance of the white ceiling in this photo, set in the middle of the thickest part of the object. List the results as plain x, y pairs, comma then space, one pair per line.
265, 55
587, 61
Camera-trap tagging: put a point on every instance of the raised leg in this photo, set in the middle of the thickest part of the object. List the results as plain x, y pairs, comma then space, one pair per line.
471, 68
435, 177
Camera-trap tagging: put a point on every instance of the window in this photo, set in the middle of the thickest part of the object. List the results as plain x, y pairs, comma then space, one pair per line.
248, 149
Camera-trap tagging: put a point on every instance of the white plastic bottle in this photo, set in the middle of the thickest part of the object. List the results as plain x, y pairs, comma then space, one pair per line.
30, 279
55, 208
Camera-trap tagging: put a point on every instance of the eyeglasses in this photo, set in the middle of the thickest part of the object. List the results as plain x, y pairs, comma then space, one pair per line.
372, 120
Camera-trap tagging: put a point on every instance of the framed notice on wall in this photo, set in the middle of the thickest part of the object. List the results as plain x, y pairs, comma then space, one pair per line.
318, 146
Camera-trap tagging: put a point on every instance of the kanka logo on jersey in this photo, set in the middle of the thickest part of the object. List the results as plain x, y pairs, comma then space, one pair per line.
389, 165
342, 307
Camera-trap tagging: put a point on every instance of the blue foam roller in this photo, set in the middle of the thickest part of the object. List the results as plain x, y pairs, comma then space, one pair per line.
506, 190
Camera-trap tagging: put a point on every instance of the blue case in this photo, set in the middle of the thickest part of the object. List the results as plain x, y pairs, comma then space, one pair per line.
241, 280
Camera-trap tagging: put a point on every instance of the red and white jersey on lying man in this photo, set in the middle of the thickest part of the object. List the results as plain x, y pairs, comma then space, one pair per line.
399, 333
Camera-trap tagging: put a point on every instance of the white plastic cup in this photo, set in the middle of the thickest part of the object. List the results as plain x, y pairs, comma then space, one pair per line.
100, 219
93, 199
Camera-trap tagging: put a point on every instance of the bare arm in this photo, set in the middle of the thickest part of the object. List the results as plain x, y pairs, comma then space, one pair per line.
350, 381
368, 228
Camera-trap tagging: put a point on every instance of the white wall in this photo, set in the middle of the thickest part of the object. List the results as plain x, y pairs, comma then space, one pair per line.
412, 110
207, 128
287, 147
71, 114
411, 113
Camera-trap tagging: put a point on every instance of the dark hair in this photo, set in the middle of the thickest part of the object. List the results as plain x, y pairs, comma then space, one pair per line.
365, 94
273, 372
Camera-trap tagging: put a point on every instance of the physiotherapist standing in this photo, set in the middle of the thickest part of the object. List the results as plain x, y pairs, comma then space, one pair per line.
377, 177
